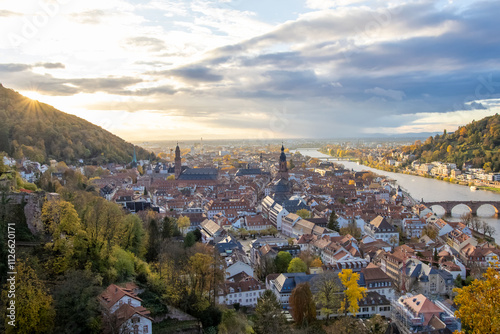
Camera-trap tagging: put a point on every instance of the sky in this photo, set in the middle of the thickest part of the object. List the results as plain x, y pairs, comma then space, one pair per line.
167, 70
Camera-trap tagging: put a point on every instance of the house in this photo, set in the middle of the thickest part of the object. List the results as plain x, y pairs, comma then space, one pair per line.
413, 227
236, 263
418, 314
380, 229
441, 226
210, 231
124, 307
242, 289
376, 280
425, 279
284, 284
273, 212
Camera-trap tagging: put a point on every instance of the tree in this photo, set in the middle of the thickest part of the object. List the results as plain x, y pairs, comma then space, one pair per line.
234, 323
376, 325
302, 305
316, 263
68, 240
268, 314
304, 213
282, 261
346, 325
297, 266
479, 304
333, 224
34, 310
353, 293
328, 295
183, 222
76, 304
430, 232
189, 239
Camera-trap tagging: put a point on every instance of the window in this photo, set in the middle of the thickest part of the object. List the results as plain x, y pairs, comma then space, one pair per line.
145, 329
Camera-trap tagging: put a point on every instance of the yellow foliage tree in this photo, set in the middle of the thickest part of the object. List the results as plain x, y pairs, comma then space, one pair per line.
34, 310
352, 293
479, 305
316, 263
183, 223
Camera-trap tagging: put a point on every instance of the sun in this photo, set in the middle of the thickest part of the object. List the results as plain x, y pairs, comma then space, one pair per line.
34, 95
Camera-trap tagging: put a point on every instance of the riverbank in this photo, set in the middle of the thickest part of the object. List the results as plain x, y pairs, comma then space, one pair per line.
479, 186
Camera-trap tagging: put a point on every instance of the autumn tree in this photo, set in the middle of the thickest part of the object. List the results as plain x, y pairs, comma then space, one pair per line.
282, 261
183, 222
353, 293
328, 293
316, 263
268, 314
376, 325
430, 232
302, 305
199, 269
234, 323
479, 305
34, 306
297, 266
304, 213
68, 240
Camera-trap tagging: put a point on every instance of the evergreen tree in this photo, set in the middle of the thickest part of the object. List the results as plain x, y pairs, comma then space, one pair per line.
333, 224
269, 316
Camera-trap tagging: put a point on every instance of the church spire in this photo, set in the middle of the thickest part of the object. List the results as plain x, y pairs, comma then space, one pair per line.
177, 162
283, 169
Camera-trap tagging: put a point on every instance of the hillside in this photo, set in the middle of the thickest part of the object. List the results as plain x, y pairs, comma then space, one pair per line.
40, 132
477, 143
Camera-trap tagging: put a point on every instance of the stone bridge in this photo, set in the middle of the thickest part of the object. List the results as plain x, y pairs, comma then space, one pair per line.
472, 205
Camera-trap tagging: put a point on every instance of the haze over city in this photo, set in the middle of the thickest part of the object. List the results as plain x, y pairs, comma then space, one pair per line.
171, 70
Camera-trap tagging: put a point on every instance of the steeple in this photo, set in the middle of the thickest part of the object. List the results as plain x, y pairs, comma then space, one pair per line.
283, 169
134, 160
177, 162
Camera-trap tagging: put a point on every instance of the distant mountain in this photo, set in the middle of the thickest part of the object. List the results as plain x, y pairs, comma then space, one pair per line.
40, 132
477, 143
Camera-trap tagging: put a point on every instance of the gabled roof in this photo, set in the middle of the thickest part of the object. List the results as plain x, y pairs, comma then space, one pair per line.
114, 293
422, 305
381, 224
210, 226
126, 311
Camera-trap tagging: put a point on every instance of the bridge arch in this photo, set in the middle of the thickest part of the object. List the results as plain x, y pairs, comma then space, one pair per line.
437, 205
492, 205
455, 205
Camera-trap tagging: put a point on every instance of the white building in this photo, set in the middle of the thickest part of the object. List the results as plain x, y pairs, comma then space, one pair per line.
380, 229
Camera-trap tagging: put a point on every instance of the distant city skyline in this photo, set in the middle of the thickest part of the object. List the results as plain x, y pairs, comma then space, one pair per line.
166, 70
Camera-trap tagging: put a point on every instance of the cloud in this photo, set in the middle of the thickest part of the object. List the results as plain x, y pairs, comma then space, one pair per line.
50, 65
151, 43
14, 67
193, 74
7, 13
393, 94
90, 16
324, 4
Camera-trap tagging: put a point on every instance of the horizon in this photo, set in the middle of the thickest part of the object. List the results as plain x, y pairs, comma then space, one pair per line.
242, 70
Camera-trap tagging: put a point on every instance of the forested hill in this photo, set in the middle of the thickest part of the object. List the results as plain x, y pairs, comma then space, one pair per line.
40, 132
477, 143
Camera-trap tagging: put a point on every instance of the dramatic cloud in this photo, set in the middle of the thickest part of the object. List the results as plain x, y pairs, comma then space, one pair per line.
332, 68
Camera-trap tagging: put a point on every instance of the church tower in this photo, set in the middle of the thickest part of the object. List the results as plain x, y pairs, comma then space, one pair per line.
178, 162
134, 160
283, 169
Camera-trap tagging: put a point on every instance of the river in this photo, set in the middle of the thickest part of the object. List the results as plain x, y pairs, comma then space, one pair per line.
430, 190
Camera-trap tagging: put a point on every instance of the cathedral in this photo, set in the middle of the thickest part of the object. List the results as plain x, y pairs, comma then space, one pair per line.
192, 174
281, 189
